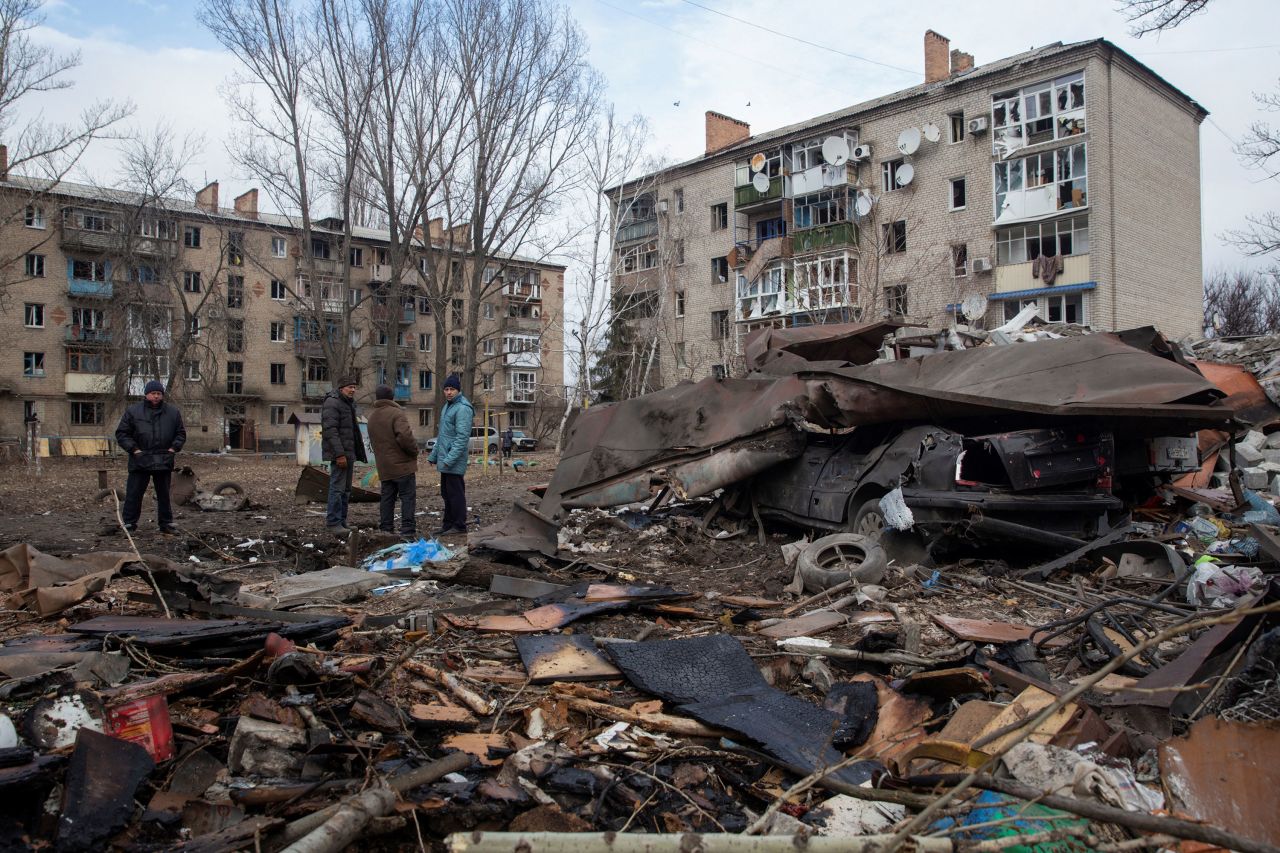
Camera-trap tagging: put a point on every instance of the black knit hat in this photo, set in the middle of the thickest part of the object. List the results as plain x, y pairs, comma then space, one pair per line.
344, 381
383, 392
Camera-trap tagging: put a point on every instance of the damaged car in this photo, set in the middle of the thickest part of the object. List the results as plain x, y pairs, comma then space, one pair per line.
1051, 487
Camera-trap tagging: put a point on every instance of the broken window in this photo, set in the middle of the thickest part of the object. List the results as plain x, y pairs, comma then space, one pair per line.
89, 270
719, 216
718, 371
277, 415
640, 257
889, 174
235, 377
957, 127
235, 335
1042, 183
235, 291
958, 194
87, 414
719, 325
744, 173
895, 299
806, 155
720, 269
235, 248
679, 303
764, 294
277, 373
88, 361
1038, 113
680, 358
894, 236
1024, 243
191, 281
822, 208
456, 312
678, 251
826, 281
959, 261
678, 195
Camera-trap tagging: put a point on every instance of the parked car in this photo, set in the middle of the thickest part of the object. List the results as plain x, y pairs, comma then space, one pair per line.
523, 441
1037, 485
476, 444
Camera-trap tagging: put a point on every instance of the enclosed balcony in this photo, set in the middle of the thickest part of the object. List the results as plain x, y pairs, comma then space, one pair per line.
402, 392
315, 390
88, 336
90, 383
747, 196
632, 231
835, 235
82, 288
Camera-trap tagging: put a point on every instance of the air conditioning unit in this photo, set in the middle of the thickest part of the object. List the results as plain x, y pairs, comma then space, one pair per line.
978, 125
980, 265
861, 152
662, 205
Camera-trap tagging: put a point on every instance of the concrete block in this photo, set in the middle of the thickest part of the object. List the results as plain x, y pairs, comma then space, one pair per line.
1247, 455
1254, 478
1273, 440
1274, 488
1223, 465
1269, 467
1254, 439
1271, 455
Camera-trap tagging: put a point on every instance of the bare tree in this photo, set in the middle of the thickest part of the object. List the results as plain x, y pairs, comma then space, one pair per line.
1157, 16
283, 48
1241, 301
529, 99
42, 152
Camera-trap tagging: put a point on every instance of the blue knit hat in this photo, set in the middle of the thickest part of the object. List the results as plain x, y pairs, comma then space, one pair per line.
453, 382
153, 385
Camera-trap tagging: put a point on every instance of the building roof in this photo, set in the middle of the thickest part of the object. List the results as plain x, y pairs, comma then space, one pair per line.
1036, 54
111, 195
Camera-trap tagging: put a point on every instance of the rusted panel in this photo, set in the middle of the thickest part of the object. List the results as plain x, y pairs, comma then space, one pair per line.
561, 657
1227, 773
634, 489
855, 343
987, 630
732, 464
1244, 394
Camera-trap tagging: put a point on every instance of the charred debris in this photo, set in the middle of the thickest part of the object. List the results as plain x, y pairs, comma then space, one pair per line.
1017, 593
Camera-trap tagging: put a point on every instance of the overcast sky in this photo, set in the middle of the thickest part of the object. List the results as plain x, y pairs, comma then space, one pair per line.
660, 53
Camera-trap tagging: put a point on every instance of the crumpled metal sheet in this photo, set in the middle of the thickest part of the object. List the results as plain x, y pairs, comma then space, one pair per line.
1093, 376
852, 343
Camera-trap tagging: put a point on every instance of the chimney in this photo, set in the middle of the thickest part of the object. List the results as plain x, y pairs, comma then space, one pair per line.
4, 162
723, 131
435, 227
207, 198
936, 60
961, 62
461, 233
247, 204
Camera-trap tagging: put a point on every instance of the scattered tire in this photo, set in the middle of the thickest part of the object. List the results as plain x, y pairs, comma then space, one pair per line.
493, 450
223, 488
839, 557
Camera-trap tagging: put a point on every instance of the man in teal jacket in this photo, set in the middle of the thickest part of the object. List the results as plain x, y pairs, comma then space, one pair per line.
450, 456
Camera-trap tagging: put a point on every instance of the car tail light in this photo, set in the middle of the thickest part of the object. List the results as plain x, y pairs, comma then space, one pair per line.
1104, 482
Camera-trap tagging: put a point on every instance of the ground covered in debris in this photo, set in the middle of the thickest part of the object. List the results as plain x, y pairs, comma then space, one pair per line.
649, 667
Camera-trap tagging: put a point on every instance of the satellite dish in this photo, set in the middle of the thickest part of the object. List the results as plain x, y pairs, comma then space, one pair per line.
862, 204
760, 182
974, 305
931, 132
835, 150
757, 163
905, 173
909, 141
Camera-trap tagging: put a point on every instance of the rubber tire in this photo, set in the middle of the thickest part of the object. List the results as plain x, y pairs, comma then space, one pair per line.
493, 450
811, 564
236, 488
869, 507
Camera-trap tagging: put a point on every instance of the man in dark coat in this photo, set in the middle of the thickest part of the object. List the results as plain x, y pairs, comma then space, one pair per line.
342, 447
152, 433
396, 455
508, 439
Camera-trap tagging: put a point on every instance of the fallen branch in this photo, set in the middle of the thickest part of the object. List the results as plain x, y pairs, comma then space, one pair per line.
652, 722
804, 602
581, 842
141, 562
893, 657
468, 697
346, 824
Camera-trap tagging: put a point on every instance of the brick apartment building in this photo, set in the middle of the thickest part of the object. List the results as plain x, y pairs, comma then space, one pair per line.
102, 296
1068, 176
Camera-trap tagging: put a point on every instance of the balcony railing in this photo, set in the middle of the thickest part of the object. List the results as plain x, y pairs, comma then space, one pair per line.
824, 237
90, 289
529, 358
308, 348
521, 394
748, 195
402, 392
88, 335
313, 390
89, 383
523, 292
633, 231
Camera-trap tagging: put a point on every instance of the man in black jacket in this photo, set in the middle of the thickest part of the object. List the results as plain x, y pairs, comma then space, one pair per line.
151, 432
342, 447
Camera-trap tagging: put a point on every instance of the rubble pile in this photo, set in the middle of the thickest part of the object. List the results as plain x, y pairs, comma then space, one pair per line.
661, 652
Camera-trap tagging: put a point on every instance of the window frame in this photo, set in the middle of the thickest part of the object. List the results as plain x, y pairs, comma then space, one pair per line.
34, 265
278, 286
960, 260
96, 407
33, 315
963, 184
33, 366
33, 217
191, 236
890, 243
889, 174
720, 216
279, 247
277, 373
957, 129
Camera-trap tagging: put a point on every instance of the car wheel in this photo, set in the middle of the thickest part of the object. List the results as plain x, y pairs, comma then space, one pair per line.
868, 520
840, 557
493, 448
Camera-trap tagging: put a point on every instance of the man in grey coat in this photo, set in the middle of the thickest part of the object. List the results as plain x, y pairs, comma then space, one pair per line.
342, 447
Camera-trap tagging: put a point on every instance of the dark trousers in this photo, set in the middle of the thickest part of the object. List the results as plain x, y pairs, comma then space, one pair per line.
339, 495
454, 491
506, 451
136, 487
406, 488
